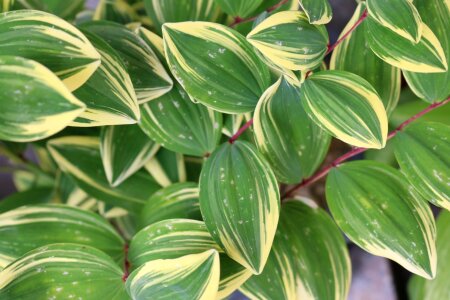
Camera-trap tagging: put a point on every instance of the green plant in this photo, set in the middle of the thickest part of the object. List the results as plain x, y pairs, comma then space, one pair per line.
173, 156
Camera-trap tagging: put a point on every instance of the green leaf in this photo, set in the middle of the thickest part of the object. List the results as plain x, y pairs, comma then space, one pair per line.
36, 195
400, 16
63, 271
153, 40
422, 151
167, 167
240, 9
347, 106
6, 5
80, 158
240, 202
119, 11
148, 76
167, 11
180, 125
215, 65
288, 40
25, 180
438, 288
51, 41
34, 103
318, 11
194, 276
291, 142
28, 227
354, 55
433, 87
232, 123
427, 56
173, 238
60, 8
124, 150
179, 200
309, 258
377, 209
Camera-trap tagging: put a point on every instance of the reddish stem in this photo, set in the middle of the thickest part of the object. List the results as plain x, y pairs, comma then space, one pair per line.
355, 151
126, 265
239, 20
240, 131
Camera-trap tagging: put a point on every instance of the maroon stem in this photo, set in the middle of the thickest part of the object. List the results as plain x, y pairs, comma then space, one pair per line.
324, 171
240, 131
126, 265
238, 20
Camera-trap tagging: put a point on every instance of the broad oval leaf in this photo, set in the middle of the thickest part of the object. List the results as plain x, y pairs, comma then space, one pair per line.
124, 150
240, 202
80, 158
400, 16
34, 103
318, 11
354, 55
240, 9
179, 200
180, 125
309, 258
288, 40
148, 76
291, 142
215, 65
422, 151
51, 41
65, 271
347, 106
427, 56
433, 87
28, 227
194, 276
376, 208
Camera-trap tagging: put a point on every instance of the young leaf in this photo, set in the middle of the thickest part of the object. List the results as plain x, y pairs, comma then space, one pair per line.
376, 208
124, 150
65, 271
318, 11
198, 52
309, 258
288, 40
427, 56
34, 103
239, 201
194, 276
51, 41
422, 151
180, 125
80, 158
28, 227
400, 16
240, 9
354, 55
149, 78
292, 143
433, 87
347, 106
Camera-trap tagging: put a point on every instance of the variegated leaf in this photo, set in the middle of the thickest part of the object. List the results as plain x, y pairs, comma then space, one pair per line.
422, 151
427, 56
347, 106
124, 150
309, 258
63, 271
167, 167
80, 158
5, 5
288, 40
51, 41
318, 11
34, 195
232, 123
180, 125
65, 10
354, 55
179, 200
28, 227
239, 201
194, 276
173, 238
238, 8
148, 76
153, 40
215, 65
433, 87
377, 209
291, 142
34, 103
119, 11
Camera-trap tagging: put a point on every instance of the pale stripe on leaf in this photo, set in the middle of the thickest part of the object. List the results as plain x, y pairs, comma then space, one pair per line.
239, 8
318, 11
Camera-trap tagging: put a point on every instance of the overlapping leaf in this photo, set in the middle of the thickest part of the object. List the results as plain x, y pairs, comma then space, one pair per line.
240, 9
377, 209
318, 11
65, 10
167, 167
119, 11
215, 65
34, 102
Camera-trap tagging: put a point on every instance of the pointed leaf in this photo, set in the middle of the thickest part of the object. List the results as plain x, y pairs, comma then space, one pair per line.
240, 9
376, 208
197, 52
318, 11
347, 106
167, 167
